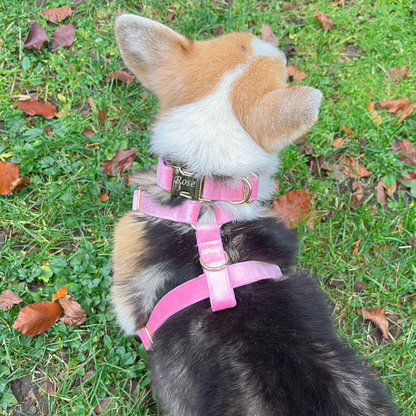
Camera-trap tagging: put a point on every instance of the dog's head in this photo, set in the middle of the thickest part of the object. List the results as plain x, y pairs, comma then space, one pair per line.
240, 69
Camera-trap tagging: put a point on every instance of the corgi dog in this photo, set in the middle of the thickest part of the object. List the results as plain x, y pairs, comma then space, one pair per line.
201, 269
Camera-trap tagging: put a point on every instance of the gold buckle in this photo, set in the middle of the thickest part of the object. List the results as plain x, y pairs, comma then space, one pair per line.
185, 184
248, 190
215, 269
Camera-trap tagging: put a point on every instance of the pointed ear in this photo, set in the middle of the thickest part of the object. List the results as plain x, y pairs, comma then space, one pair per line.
282, 116
147, 46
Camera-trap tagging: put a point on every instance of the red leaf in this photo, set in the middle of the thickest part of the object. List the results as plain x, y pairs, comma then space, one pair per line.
57, 15
104, 196
74, 314
292, 207
63, 37
36, 37
378, 317
268, 36
19, 184
37, 318
353, 169
9, 173
406, 149
338, 143
34, 108
7, 299
324, 20
122, 160
395, 106
120, 76
60, 293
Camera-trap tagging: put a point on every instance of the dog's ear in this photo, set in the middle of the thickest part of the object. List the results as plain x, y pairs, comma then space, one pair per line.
281, 116
147, 46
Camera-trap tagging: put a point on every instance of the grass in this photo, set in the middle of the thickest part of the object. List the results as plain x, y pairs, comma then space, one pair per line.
58, 232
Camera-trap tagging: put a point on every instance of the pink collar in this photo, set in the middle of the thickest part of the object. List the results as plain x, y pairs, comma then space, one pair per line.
219, 278
178, 181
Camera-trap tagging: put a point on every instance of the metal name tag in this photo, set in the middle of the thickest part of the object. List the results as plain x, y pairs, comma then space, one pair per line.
185, 184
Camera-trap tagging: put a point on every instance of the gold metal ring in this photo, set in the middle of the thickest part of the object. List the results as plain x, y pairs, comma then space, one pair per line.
215, 269
247, 189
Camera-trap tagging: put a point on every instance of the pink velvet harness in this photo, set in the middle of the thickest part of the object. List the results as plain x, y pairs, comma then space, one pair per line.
219, 278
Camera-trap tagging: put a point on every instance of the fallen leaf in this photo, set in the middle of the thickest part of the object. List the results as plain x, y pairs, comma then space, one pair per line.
92, 144
36, 37
359, 286
120, 76
414, 306
408, 154
356, 244
374, 113
292, 207
406, 112
37, 318
47, 388
7, 299
411, 176
88, 133
378, 317
19, 184
353, 169
399, 73
63, 37
88, 376
60, 293
48, 130
348, 131
92, 104
381, 195
288, 6
57, 15
291, 71
120, 162
337, 173
102, 115
395, 106
300, 76
390, 189
74, 314
338, 143
9, 172
61, 113
358, 194
143, 96
295, 74
104, 196
268, 36
34, 107
324, 20
102, 406
171, 16
217, 31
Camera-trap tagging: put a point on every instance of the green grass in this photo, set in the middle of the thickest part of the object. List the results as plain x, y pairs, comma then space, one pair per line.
60, 233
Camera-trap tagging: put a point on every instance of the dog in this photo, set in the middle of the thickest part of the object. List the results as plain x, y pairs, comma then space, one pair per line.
264, 348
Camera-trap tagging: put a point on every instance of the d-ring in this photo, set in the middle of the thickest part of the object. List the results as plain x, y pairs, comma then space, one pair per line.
215, 269
247, 189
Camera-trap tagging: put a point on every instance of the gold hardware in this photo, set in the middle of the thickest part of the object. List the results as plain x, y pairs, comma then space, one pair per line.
215, 269
248, 190
148, 334
185, 184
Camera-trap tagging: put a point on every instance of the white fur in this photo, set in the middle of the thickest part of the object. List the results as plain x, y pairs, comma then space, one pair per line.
208, 139
262, 48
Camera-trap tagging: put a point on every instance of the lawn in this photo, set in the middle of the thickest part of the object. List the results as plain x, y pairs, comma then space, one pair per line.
57, 231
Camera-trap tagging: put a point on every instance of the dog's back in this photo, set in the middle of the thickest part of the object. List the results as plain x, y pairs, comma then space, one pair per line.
226, 109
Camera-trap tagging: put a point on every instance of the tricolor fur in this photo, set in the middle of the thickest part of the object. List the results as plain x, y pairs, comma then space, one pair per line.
225, 111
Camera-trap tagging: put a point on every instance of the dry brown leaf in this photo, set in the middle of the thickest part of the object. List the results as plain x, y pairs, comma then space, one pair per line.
414, 306
292, 207
358, 194
411, 176
60, 293
406, 112
395, 106
408, 154
381, 195
217, 31
92, 104
102, 406
93, 144
268, 36
360, 286
57, 15
143, 96
120, 76
102, 114
88, 133
37, 318
104, 196
347, 131
399, 73
288, 6
378, 317
356, 244
47, 388
291, 70
48, 130
353, 169
324, 20
295, 74
374, 113
9, 173
74, 314
36, 37
300, 76
63, 37
34, 107
390, 189
338, 143
19, 184
8, 298
120, 162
